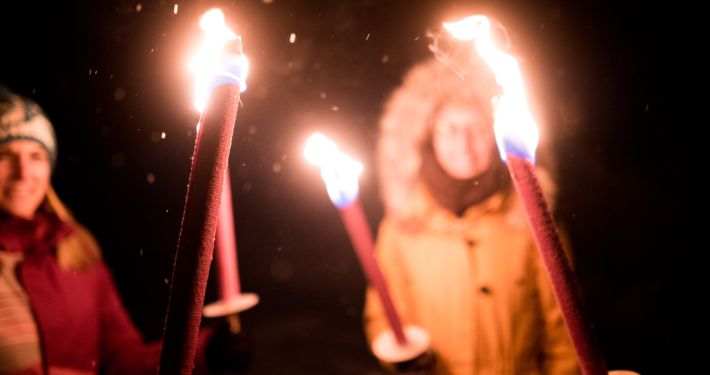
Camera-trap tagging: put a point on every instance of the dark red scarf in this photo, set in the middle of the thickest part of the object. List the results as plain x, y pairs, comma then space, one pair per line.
457, 195
32, 237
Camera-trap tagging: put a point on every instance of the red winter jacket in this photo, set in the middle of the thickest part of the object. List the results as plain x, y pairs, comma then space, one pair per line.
82, 325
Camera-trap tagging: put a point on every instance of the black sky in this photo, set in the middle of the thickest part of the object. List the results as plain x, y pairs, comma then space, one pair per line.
601, 79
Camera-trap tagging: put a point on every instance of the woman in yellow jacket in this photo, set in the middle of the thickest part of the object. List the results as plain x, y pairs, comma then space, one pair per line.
455, 247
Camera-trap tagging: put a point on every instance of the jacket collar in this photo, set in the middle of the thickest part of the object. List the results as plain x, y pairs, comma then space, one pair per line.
425, 212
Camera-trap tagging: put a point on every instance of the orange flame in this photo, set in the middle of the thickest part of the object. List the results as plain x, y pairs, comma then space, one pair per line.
206, 62
515, 129
339, 172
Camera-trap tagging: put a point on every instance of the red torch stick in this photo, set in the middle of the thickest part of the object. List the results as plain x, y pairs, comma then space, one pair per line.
226, 246
199, 223
562, 277
231, 300
359, 232
517, 138
340, 174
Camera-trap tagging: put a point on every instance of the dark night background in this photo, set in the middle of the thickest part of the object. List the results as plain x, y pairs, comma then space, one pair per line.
600, 77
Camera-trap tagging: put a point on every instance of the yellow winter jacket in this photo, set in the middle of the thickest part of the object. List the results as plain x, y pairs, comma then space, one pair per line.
477, 285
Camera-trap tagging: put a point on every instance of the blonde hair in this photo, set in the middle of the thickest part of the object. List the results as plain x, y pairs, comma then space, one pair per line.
80, 251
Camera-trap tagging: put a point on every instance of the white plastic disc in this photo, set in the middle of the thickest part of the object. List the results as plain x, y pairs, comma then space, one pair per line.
386, 348
239, 303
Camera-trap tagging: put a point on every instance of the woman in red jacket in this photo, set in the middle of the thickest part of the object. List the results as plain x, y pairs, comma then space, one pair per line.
60, 312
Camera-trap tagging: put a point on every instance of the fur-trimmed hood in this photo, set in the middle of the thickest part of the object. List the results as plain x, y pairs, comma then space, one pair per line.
405, 126
406, 123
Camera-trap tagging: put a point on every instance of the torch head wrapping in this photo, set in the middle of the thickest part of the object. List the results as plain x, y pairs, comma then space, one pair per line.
230, 69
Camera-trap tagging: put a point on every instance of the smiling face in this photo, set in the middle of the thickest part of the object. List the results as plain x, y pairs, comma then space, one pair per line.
464, 141
24, 177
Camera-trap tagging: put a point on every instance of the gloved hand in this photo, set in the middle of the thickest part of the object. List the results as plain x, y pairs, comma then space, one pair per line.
227, 352
422, 365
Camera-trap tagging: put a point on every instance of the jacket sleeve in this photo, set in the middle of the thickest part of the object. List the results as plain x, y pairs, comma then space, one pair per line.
558, 355
122, 348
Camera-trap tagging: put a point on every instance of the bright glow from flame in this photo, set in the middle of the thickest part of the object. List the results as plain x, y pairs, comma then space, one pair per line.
210, 62
515, 129
339, 172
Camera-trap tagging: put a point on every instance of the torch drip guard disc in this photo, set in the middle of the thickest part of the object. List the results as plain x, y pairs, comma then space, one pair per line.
239, 303
386, 347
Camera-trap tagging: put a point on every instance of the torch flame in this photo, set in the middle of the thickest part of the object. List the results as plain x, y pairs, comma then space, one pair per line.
210, 62
515, 129
339, 172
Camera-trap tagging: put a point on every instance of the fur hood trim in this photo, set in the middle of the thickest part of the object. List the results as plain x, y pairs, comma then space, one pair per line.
405, 126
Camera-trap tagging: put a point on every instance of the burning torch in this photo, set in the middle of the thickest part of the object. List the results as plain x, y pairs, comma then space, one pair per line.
340, 174
207, 65
222, 73
517, 137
